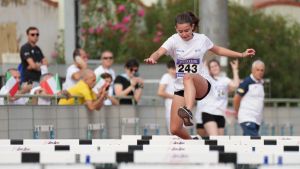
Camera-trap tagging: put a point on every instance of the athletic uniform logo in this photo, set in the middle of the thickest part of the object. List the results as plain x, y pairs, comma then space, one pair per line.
187, 66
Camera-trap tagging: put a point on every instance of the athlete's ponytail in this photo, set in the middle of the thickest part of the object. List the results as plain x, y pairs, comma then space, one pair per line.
187, 17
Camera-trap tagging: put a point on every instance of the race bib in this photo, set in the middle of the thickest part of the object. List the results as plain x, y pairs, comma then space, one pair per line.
221, 92
187, 66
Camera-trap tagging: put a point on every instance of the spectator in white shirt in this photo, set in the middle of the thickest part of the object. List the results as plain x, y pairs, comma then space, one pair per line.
249, 100
107, 60
75, 70
166, 89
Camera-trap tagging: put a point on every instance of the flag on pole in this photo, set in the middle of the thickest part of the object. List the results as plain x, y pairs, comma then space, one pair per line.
51, 85
12, 84
58, 88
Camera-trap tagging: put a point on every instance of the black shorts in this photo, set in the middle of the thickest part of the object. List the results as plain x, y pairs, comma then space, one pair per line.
220, 120
199, 126
181, 92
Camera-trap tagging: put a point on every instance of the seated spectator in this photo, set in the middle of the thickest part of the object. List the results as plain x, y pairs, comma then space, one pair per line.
43, 90
6, 89
83, 89
75, 70
129, 83
106, 78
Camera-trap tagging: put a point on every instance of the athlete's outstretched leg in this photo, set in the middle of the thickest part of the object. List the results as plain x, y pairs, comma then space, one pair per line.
176, 122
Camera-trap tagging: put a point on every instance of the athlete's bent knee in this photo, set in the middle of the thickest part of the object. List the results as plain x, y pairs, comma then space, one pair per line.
187, 77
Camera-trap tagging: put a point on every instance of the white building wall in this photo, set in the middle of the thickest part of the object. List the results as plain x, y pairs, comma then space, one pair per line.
246, 3
289, 12
34, 13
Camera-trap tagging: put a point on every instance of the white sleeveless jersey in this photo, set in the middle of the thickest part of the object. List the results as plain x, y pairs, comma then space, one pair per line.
188, 56
216, 101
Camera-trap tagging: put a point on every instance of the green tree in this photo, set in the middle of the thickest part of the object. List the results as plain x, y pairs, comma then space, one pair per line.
102, 27
276, 42
111, 25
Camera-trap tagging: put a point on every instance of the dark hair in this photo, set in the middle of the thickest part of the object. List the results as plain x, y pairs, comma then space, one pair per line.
105, 75
171, 64
76, 52
30, 29
187, 17
132, 63
213, 60
195, 21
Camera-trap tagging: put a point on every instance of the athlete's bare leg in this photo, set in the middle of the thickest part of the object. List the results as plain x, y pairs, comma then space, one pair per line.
201, 132
195, 86
221, 131
211, 128
176, 126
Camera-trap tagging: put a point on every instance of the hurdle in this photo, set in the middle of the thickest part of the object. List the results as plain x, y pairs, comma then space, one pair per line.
176, 158
20, 166
172, 166
153, 150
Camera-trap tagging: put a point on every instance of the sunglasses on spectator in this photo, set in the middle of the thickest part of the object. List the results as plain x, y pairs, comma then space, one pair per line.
134, 70
34, 34
107, 58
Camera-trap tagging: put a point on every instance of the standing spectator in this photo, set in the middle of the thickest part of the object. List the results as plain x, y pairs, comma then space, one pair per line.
166, 89
249, 100
212, 108
83, 88
107, 59
25, 89
33, 62
75, 70
129, 83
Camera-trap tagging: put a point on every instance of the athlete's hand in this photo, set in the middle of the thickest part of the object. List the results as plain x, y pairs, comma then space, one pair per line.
150, 61
248, 52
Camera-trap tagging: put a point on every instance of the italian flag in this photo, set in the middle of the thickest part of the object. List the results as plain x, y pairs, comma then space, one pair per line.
52, 85
12, 84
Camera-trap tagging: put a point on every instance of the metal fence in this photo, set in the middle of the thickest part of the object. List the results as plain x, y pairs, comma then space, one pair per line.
281, 117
